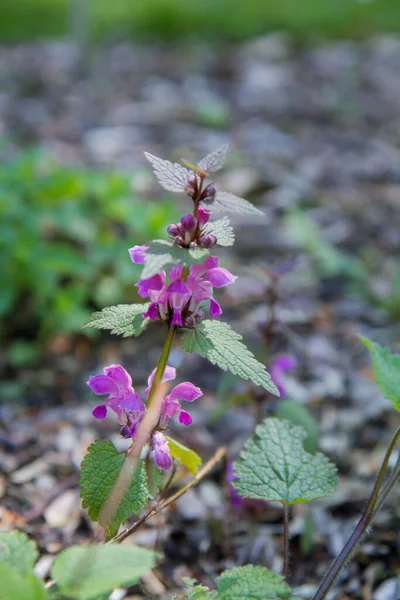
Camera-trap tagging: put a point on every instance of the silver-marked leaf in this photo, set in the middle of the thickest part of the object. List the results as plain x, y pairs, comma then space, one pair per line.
257, 583
222, 230
122, 319
222, 346
18, 551
163, 253
87, 572
274, 466
172, 176
227, 202
386, 366
215, 161
99, 473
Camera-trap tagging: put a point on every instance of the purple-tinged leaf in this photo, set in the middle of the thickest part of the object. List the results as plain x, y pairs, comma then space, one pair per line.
214, 161
172, 176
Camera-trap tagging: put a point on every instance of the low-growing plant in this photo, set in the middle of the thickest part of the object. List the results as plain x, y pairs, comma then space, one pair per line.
178, 280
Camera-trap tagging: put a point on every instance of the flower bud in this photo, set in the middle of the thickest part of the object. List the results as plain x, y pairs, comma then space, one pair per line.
209, 192
191, 186
208, 240
203, 216
173, 230
189, 223
190, 322
162, 454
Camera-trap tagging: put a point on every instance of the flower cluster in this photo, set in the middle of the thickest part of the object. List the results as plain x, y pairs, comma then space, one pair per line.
191, 231
130, 408
178, 301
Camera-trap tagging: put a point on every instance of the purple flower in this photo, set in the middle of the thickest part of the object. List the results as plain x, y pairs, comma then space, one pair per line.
171, 405
278, 368
178, 302
138, 254
161, 453
122, 398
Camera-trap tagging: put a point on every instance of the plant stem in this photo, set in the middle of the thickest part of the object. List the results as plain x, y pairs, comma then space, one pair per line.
162, 363
286, 555
375, 501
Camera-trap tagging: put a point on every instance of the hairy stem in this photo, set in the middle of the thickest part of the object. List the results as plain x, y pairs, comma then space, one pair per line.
375, 501
286, 540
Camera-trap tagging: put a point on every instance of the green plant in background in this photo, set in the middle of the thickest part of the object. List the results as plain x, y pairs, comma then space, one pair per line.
63, 235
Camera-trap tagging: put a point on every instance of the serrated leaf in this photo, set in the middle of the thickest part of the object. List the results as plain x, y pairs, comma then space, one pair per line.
217, 342
122, 319
100, 470
298, 414
257, 583
386, 366
222, 230
215, 160
187, 457
274, 466
18, 551
84, 573
17, 586
227, 202
155, 478
172, 176
163, 253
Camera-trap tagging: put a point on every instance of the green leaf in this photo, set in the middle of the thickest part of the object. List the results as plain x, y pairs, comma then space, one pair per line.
386, 366
251, 582
100, 470
17, 586
84, 573
18, 551
163, 253
274, 466
187, 457
217, 342
222, 230
298, 414
123, 319
227, 202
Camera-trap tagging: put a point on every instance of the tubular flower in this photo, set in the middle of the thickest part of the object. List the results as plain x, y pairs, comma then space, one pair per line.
178, 302
161, 453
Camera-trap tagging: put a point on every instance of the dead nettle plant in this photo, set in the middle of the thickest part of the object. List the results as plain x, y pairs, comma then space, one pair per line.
178, 280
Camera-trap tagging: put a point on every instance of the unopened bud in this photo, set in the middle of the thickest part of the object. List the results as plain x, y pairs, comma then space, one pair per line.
189, 223
208, 240
125, 431
173, 230
178, 240
209, 192
199, 315
190, 322
191, 186
203, 216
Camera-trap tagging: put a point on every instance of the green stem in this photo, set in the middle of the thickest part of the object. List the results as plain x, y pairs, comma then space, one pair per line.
286, 553
376, 499
162, 363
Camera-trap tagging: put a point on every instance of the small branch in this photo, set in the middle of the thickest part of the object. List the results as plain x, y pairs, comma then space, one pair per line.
376, 499
286, 540
219, 454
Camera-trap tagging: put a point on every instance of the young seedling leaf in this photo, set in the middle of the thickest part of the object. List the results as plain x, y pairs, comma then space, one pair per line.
163, 253
123, 319
215, 160
222, 346
386, 366
18, 551
298, 414
85, 573
172, 176
274, 466
17, 586
187, 457
227, 202
222, 230
100, 470
253, 582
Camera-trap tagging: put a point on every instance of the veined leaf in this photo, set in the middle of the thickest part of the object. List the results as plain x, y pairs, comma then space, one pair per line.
227, 202
172, 176
18, 551
298, 414
222, 230
215, 160
163, 253
17, 586
222, 346
386, 366
187, 457
100, 470
257, 583
274, 466
86, 572
122, 319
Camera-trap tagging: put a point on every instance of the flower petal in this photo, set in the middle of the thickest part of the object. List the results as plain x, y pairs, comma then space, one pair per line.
133, 403
102, 384
215, 309
154, 283
185, 391
138, 254
178, 287
176, 272
220, 277
100, 412
185, 418
169, 375
119, 375
152, 312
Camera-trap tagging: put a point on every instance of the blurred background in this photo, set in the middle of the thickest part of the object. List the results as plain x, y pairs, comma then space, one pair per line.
307, 93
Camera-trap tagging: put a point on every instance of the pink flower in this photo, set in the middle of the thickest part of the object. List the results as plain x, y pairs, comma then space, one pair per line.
278, 368
138, 254
161, 453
